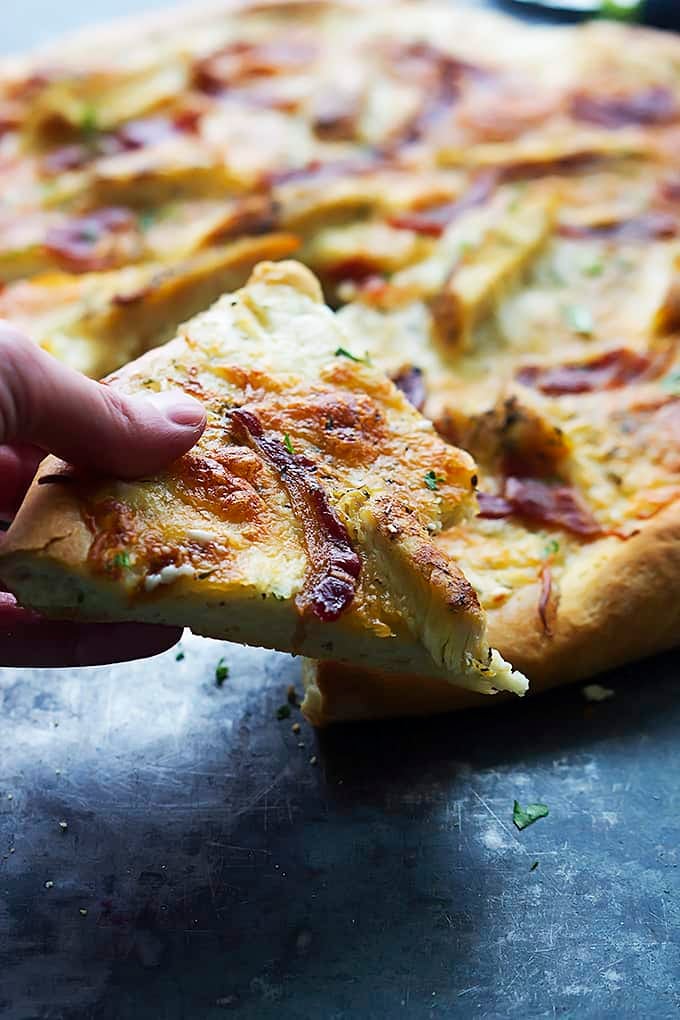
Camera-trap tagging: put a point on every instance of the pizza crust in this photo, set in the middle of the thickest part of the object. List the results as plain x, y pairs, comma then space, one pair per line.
619, 601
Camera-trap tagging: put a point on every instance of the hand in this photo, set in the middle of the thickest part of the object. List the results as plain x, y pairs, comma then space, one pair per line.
47, 407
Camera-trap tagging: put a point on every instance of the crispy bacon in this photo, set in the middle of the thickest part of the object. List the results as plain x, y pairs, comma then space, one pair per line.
493, 508
440, 76
651, 226
315, 171
648, 107
133, 135
411, 382
538, 501
547, 600
434, 220
334, 567
94, 242
241, 62
608, 371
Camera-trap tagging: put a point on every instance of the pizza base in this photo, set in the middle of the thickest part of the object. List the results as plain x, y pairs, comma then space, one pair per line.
618, 602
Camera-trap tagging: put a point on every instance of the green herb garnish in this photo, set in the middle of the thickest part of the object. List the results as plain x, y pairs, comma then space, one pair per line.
552, 547
622, 10
147, 219
528, 815
121, 559
283, 712
342, 352
287, 443
432, 480
221, 672
594, 268
671, 381
179, 657
89, 123
580, 319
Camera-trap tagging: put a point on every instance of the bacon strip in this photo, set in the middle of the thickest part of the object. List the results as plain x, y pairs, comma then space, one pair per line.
608, 371
440, 75
315, 170
493, 508
651, 226
331, 581
412, 384
547, 603
94, 242
241, 62
433, 221
655, 105
539, 502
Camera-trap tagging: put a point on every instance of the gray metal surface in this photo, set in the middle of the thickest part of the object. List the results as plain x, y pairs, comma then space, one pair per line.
207, 869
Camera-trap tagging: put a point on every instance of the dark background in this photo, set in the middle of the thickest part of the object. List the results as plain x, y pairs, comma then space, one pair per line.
221, 873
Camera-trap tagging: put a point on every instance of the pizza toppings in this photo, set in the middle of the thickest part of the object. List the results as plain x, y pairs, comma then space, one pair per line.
331, 581
539, 502
411, 382
242, 62
547, 602
655, 225
648, 107
608, 371
434, 220
96, 241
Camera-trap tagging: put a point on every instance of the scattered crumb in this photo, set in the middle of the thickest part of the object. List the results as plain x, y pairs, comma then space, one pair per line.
291, 695
596, 692
49, 884
63, 826
12, 849
295, 727
313, 760
55, 723
10, 796
57, 772
283, 712
83, 911
300, 744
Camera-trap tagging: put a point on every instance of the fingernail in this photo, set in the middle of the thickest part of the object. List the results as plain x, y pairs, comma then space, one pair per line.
178, 407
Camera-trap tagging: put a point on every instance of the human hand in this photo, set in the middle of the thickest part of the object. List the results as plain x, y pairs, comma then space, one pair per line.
46, 407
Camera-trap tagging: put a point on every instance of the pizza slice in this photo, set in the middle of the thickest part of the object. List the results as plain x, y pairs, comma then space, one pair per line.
303, 519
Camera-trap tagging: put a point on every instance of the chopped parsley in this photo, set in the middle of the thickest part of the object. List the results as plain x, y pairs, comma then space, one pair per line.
528, 815
432, 480
671, 381
624, 10
121, 560
147, 219
594, 268
580, 319
552, 547
287, 443
180, 656
283, 712
89, 122
342, 352
221, 672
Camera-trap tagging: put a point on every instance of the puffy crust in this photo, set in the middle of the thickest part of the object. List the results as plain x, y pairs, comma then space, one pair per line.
618, 602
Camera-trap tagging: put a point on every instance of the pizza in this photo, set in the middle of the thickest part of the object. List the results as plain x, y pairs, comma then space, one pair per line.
493, 213
301, 520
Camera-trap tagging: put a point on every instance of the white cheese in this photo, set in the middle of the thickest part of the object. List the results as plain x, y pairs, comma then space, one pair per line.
167, 575
200, 535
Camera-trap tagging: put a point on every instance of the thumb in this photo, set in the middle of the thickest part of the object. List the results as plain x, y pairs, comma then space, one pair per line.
84, 422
